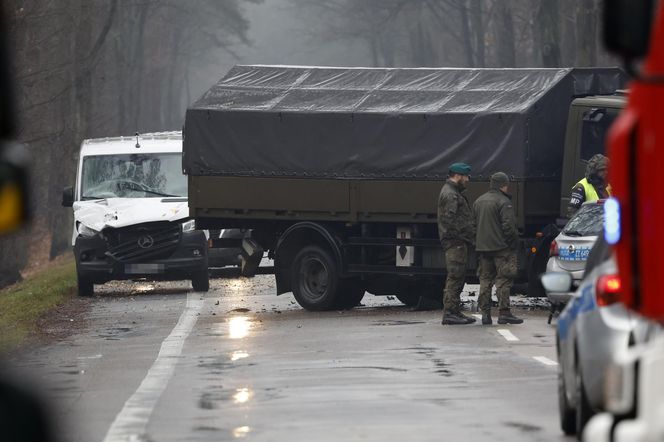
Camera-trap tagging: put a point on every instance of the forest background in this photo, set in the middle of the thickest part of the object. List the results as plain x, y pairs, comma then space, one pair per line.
96, 68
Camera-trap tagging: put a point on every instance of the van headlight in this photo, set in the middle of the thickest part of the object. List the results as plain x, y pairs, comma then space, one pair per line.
189, 226
85, 231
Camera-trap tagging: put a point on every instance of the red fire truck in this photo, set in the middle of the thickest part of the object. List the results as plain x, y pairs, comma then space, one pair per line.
634, 29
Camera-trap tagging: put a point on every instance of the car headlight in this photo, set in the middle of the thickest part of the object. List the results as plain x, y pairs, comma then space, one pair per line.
84, 230
188, 226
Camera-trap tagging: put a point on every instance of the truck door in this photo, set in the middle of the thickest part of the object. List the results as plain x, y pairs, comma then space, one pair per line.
589, 127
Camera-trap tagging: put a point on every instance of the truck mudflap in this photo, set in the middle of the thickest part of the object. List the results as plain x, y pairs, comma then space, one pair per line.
537, 257
293, 240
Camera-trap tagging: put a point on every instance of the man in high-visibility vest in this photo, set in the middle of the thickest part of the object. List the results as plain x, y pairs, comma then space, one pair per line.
593, 186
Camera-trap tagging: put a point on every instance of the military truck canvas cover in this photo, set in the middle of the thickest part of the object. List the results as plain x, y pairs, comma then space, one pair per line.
378, 123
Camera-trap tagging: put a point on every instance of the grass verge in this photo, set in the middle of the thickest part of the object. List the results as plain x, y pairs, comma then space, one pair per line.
23, 303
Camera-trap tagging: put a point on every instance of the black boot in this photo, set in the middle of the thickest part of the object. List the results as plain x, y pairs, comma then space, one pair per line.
486, 318
469, 319
453, 318
506, 317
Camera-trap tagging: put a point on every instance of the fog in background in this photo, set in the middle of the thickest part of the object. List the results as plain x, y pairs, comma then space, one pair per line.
96, 68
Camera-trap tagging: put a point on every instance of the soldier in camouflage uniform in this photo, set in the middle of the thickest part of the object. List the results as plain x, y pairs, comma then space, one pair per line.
497, 240
456, 229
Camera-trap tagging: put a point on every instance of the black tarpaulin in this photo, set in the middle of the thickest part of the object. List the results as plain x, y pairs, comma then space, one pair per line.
281, 121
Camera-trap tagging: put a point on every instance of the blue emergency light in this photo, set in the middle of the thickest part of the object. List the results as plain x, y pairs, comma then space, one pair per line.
612, 221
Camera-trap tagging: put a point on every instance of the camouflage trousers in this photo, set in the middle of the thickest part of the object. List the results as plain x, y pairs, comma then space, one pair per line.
497, 268
456, 260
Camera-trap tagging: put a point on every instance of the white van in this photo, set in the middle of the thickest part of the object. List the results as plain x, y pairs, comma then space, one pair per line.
131, 217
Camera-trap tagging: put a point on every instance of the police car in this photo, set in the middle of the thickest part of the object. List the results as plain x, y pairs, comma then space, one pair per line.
569, 250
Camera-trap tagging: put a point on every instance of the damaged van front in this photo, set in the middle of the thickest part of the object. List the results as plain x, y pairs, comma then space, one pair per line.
131, 217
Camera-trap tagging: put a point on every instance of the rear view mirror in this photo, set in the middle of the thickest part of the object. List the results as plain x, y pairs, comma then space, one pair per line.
557, 282
68, 196
627, 26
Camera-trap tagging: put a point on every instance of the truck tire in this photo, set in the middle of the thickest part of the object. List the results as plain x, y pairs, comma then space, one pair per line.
85, 285
350, 293
315, 279
200, 281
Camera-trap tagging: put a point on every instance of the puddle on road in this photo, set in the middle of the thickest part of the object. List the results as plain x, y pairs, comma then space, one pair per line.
242, 395
114, 333
526, 428
241, 432
210, 399
393, 369
208, 429
397, 322
237, 355
239, 327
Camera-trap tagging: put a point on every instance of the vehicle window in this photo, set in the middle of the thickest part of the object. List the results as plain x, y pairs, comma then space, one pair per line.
151, 175
588, 221
596, 123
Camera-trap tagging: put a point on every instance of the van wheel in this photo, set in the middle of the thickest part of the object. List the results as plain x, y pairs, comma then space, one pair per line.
200, 281
315, 279
85, 285
583, 410
350, 294
567, 414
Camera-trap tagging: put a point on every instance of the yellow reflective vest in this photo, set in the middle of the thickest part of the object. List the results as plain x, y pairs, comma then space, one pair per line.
589, 190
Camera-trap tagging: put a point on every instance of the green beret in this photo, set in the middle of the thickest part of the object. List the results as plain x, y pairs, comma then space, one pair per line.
460, 168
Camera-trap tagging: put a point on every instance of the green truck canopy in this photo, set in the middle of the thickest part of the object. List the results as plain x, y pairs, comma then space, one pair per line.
379, 123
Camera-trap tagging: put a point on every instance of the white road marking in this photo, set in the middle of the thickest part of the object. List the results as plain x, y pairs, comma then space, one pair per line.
507, 334
130, 424
545, 361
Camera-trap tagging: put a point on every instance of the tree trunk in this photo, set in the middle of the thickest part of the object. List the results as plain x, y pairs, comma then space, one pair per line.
466, 36
586, 41
477, 29
547, 34
504, 34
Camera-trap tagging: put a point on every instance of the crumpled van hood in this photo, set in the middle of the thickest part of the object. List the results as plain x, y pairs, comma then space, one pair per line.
122, 212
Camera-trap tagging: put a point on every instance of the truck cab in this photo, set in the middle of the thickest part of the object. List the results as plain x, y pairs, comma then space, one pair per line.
587, 128
131, 219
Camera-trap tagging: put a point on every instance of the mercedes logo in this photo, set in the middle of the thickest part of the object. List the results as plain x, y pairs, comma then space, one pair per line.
145, 242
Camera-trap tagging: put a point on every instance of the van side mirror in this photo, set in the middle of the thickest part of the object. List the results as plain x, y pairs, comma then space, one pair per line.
627, 26
557, 282
68, 196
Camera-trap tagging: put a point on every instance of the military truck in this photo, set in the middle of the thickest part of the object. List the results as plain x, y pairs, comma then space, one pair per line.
337, 171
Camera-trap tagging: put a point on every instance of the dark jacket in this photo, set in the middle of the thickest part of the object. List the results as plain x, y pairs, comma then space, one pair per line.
456, 224
496, 222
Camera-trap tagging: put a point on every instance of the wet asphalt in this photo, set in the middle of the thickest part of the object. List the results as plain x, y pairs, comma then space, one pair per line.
157, 362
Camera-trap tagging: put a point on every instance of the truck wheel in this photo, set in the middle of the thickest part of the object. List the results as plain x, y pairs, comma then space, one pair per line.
315, 279
85, 285
200, 281
350, 293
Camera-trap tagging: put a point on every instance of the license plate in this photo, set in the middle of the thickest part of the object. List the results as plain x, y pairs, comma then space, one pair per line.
143, 269
573, 255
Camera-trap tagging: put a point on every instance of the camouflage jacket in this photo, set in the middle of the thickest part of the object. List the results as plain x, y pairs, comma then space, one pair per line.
456, 224
496, 222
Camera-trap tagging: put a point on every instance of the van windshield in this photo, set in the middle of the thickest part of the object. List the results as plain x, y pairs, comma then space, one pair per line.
144, 175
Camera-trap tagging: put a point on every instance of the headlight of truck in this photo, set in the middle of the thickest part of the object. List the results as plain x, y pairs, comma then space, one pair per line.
84, 230
189, 226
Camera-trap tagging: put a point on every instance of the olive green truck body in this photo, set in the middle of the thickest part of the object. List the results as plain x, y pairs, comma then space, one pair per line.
337, 171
